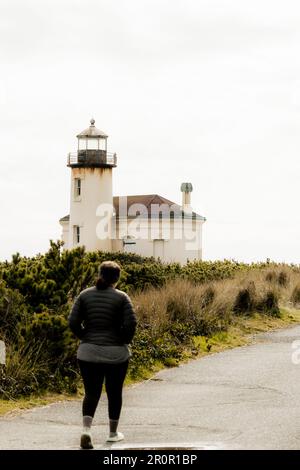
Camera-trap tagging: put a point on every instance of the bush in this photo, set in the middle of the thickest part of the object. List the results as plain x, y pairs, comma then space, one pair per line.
283, 279
269, 304
208, 297
245, 300
26, 371
295, 297
271, 276
174, 304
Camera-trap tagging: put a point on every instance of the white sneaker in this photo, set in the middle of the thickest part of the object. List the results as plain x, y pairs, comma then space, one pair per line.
86, 441
118, 437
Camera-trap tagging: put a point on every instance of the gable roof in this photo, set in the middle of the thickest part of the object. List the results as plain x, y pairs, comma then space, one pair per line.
148, 201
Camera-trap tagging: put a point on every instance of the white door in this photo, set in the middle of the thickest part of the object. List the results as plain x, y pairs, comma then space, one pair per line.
158, 249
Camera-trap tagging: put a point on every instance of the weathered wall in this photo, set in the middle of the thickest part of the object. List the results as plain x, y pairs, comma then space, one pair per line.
96, 190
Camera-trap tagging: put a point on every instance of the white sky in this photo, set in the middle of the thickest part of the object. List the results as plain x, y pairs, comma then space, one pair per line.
206, 91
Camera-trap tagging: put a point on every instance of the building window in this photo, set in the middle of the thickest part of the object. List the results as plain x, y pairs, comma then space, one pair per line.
76, 234
77, 187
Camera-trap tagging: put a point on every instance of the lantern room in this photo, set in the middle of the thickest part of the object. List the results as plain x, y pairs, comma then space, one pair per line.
92, 149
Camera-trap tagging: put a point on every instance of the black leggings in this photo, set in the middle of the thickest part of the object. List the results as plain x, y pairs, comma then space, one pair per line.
93, 376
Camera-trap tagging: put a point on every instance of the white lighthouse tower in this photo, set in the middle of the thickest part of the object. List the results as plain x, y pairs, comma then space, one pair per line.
91, 201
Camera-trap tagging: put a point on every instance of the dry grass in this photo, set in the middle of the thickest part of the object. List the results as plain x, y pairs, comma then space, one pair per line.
172, 317
183, 320
214, 305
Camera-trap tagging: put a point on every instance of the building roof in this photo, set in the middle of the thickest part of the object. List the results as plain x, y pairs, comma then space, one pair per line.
148, 201
92, 131
152, 203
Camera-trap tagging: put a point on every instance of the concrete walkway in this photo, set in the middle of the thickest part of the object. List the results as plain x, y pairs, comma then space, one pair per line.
245, 398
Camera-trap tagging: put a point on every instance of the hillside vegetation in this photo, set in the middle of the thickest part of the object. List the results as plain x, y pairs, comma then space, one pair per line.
180, 310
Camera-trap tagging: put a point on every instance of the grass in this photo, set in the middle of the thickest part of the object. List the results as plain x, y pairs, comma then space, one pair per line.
241, 333
22, 404
175, 327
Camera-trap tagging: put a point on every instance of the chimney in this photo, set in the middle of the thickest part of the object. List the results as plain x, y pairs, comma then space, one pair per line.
186, 189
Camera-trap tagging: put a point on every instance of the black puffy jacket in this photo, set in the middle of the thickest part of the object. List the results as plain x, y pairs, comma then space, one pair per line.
103, 316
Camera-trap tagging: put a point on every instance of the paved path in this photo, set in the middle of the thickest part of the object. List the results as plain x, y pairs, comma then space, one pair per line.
247, 398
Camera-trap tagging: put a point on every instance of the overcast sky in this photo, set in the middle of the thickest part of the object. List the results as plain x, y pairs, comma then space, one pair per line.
204, 91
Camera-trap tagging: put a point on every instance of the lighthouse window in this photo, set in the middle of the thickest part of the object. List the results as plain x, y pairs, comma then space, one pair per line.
82, 144
102, 144
77, 234
77, 187
92, 144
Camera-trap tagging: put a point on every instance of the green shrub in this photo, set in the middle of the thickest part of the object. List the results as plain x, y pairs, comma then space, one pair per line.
174, 304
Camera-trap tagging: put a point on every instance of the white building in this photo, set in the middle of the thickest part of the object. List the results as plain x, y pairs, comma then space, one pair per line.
149, 225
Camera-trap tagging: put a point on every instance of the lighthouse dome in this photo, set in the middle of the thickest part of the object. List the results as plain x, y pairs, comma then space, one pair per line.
92, 131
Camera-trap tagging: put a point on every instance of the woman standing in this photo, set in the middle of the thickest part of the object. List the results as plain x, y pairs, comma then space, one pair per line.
103, 318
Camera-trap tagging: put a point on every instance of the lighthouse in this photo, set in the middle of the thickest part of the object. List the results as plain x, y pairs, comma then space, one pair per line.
91, 199
144, 224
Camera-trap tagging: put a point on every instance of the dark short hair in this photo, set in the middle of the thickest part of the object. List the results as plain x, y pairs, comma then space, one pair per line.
109, 273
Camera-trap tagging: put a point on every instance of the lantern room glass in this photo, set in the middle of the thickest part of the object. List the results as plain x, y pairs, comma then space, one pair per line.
102, 144
92, 144
81, 144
